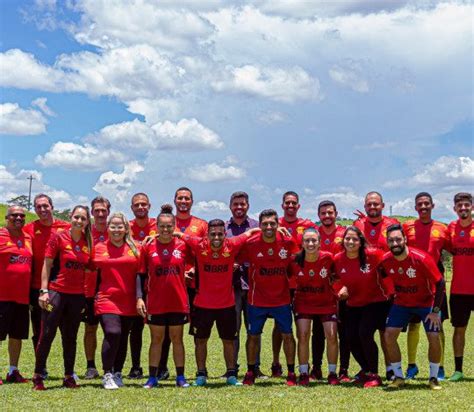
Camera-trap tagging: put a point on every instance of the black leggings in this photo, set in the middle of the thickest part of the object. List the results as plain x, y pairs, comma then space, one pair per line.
361, 324
67, 313
136, 340
318, 341
35, 314
114, 347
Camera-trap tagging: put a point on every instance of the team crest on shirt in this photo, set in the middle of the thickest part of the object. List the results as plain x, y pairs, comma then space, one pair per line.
77, 248
411, 272
152, 233
177, 254
101, 238
366, 268
327, 241
300, 229
165, 252
194, 229
462, 233
323, 272
130, 253
283, 253
311, 273
400, 270
472, 232
290, 230
372, 232
141, 234
85, 249
435, 233
270, 252
338, 240
19, 243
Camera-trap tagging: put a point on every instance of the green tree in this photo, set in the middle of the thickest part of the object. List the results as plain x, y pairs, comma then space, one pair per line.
62, 214
19, 201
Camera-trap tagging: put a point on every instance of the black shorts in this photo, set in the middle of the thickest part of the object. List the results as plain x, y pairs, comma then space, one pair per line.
14, 320
168, 319
461, 307
88, 315
203, 321
444, 312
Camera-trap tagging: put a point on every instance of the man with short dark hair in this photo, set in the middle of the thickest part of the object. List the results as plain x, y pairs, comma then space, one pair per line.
419, 289
461, 301
16, 258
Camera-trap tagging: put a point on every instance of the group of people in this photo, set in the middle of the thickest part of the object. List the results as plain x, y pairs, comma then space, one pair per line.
340, 285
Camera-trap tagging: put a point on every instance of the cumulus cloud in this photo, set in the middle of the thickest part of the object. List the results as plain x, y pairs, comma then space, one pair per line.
20, 122
115, 186
283, 85
349, 77
40, 103
214, 172
210, 206
85, 157
446, 171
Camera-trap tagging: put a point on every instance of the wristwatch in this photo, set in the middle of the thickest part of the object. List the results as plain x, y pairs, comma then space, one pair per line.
43, 291
436, 309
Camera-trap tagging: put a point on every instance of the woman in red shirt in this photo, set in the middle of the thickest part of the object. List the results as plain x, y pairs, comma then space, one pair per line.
315, 298
117, 262
68, 254
367, 303
163, 265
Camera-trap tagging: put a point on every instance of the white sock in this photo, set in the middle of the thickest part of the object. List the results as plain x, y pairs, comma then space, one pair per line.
12, 368
388, 368
304, 368
332, 367
397, 369
434, 368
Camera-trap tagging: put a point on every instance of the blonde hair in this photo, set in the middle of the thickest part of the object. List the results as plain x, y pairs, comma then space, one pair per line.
128, 238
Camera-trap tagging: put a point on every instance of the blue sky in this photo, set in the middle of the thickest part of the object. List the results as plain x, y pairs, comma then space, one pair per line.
329, 99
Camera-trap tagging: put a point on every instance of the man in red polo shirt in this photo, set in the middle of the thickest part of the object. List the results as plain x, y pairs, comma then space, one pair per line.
16, 258
461, 301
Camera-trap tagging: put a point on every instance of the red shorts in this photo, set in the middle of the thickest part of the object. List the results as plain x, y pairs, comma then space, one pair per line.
328, 317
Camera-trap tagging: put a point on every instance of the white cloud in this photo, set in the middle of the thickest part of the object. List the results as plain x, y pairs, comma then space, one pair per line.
272, 117
446, 171
79, 157
349, 77
375, 145
40, 102
211, 206
20, 122
283, 85
214, 172
116, 186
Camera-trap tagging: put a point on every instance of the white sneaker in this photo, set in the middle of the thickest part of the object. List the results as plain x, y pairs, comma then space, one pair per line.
108, 381
118, 379
76, 378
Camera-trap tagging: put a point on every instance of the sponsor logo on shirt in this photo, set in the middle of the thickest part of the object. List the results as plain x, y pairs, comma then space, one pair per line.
75, 265
18, 259
406, 289
216, 268
273, 271
167, 270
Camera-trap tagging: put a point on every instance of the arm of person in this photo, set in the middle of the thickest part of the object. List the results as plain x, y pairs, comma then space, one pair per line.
139, 284
43, 299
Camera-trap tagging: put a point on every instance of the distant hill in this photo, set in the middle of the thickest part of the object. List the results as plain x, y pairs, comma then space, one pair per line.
3, 211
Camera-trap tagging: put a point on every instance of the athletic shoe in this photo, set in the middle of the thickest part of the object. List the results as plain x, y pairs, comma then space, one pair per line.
44, 375
70, 383
163, 375
200, 381
91, 373
249, 378
15, 377
411, 372
291, 379
316, 374
118, 379
152, 382
135, 373
303, 380
108, 381
359, 378
397, 383
441, 374
38, 384
1, 382
390, 375
233, 381
456, 377
343, 376
259, 374
76, 378
434, 384
181, 382
277, 370
372, 380
333, 379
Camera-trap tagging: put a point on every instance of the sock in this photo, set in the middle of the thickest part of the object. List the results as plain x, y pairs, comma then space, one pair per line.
332, 367
91, 364
202, 372
458, 363
12, 368
397, 369
388, 368
153, 371
443, 342
434, 369
413, 337
179, 370
411, 365
250, 368
231, 372
291, 368
304, 368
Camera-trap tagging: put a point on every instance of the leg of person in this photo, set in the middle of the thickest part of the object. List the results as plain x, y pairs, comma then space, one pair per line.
157, 335
176, 336
434, 356
330, 332
317, 349
227, 329
74, 305
256, 321
353, 321
35, 314
125, 326
91, 322
18, 330
344, 348
388, 366
442, 337
203, 320
111, 326
284, 320
163, 371
413, 338
303, 332
277, 342
136, 341
239, 307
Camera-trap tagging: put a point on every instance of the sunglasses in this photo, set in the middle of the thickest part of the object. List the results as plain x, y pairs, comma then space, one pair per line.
17, 215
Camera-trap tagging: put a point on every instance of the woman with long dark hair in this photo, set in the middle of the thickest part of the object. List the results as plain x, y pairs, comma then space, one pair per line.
367, 303
67, 257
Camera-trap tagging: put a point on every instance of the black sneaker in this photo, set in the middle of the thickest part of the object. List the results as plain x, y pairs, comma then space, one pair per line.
259, 374
135, 373
390, 376
163, 375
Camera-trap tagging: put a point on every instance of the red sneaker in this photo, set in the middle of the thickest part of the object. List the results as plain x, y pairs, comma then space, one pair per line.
333, 379
15, 377
360, 378
249, 378
38, 383
70, 383
303, 379
291, 379
372, 380
1, 382
344, 376
277, 370
316, 374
